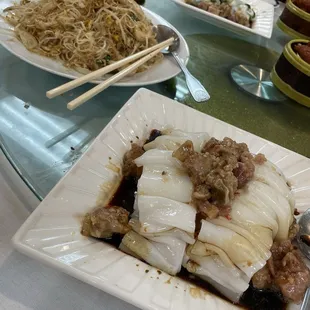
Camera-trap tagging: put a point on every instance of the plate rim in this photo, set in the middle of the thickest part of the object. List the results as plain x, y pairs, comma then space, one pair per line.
244, 29
84, 276
119, 84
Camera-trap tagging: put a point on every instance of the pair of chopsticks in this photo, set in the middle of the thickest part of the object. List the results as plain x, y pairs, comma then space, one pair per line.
150, 53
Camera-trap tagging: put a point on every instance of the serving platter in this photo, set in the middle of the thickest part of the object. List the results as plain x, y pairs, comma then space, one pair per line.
262, 26
51, 234
160, 72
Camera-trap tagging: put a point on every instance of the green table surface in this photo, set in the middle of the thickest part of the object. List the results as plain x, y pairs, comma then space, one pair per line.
37, 135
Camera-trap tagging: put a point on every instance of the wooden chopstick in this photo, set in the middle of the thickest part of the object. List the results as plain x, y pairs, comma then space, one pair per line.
97, 89
6, 31
102, 71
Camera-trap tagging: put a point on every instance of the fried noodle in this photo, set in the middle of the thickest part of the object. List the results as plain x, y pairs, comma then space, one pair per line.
84, 34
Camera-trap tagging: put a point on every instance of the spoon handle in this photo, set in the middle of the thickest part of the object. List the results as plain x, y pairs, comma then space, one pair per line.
197, 90
306, 302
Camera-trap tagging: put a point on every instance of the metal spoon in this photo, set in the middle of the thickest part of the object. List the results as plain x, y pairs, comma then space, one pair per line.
197, 90
303, 238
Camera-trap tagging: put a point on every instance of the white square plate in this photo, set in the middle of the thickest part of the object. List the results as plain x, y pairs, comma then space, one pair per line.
52, 232
262, 26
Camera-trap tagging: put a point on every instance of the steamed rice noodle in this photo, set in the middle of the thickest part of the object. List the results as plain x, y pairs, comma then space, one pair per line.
163, 214
165, 181
270, 175
213, 265
253, 219
162, 232
260, 213
169, 230
227, 252
271, 199
163, 176
166, 255
162, 217
242, 253
83, 34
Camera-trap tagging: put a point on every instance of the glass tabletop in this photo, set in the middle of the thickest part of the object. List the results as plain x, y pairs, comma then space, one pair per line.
42, 139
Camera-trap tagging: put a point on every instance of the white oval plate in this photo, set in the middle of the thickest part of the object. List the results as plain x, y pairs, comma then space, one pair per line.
160, 72
262, 26
51, 234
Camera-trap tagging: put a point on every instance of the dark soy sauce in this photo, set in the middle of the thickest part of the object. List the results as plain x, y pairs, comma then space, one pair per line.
153, 135
125, 194
255, 299
252, 299
125, 198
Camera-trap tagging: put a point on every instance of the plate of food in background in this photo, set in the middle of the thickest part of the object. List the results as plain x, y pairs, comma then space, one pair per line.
71, 39
244, 17
170, 208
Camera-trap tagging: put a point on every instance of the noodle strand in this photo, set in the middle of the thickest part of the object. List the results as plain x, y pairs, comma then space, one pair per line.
84, 34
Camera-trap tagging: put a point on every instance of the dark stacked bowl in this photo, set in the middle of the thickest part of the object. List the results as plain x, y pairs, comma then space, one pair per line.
291, 73
295, 20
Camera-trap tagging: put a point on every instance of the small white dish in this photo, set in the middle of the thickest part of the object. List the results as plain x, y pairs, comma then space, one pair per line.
160, 72
51, 234
262, 26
